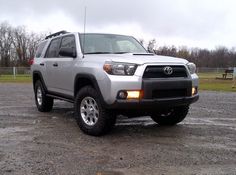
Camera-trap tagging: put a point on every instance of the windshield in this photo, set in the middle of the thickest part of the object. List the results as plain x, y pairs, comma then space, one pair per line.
109, 44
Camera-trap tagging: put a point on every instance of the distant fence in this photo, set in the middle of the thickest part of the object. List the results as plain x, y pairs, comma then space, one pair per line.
210, 70
14, 71
25, 71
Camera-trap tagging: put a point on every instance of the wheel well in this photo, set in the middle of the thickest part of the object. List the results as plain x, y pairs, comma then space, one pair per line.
36, 77
82, 82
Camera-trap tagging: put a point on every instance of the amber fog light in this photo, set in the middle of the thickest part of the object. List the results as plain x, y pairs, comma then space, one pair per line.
133, 94
129, 94
194, 90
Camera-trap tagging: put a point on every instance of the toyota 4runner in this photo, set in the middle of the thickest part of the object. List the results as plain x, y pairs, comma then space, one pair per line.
106, 75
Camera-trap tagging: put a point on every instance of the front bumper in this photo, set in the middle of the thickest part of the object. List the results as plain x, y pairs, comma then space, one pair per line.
160, 93
153, 104
172, 91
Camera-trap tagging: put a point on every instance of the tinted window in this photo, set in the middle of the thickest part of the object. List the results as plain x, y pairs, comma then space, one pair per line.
52, 51
68, 42
40, 49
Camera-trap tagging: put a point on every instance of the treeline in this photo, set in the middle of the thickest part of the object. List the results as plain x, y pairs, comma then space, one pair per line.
17, 45
221, 57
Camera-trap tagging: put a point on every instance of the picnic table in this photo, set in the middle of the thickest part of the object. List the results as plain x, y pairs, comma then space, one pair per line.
228, 72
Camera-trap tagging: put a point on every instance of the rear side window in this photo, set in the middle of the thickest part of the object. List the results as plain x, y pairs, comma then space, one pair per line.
40, 49
52, 51
68, 42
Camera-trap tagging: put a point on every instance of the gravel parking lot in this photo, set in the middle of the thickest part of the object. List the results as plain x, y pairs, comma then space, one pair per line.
51, 143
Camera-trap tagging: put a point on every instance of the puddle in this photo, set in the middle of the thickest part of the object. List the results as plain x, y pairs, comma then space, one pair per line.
143, 121
146, 121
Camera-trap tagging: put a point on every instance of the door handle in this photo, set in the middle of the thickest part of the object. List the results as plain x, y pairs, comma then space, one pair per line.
55, 64
41, 64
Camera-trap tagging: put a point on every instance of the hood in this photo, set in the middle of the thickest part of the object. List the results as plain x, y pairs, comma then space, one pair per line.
137, 59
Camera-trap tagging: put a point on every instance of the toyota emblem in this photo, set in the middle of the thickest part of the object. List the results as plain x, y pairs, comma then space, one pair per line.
168, 70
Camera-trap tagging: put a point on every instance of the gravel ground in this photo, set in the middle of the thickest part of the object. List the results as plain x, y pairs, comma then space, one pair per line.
51, 143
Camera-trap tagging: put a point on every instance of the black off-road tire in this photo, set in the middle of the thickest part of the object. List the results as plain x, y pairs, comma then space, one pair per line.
46, 103
171, 116
105, 119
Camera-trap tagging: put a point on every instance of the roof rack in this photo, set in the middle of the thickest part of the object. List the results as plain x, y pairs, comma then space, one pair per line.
56, 34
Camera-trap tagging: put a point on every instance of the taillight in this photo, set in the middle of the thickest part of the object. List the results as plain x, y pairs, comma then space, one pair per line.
31, 61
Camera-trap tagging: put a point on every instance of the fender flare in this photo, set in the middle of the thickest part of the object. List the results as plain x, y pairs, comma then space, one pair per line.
92, 79
41, 79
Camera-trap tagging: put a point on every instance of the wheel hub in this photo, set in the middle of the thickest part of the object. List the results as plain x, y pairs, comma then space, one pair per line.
89, 111
39, 96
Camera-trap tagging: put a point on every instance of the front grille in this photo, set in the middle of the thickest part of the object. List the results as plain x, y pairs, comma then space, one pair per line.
169, 93
158, 72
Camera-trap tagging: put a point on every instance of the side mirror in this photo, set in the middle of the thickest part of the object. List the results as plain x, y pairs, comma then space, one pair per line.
67, 52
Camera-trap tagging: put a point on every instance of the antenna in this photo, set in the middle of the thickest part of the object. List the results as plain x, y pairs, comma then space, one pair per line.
85, 9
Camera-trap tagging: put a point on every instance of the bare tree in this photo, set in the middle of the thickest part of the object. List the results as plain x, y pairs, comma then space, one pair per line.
20, 42
25, 44
151, 45
5, 44
33, 40
183, 52
17, 45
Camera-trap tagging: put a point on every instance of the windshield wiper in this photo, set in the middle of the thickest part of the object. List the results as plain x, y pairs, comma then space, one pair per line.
98, 53
148, 54
120, 52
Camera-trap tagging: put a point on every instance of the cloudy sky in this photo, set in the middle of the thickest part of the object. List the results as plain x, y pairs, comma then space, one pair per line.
194, 23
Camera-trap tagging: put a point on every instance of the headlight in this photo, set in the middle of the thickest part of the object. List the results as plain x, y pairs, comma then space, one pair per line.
191, 68
115, 68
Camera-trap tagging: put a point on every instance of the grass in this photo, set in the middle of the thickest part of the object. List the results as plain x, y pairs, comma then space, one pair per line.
17, 79
216, 85
207, 81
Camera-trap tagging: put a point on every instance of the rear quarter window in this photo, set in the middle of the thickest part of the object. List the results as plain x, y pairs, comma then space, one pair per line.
68, 41
40, 49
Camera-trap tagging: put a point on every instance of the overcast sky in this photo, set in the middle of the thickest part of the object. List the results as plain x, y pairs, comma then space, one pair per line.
194, 23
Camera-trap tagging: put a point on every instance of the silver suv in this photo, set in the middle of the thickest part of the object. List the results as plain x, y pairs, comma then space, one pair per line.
106, 75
